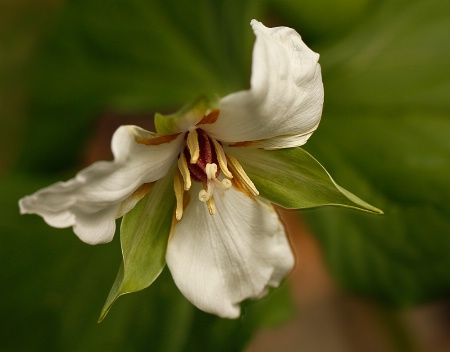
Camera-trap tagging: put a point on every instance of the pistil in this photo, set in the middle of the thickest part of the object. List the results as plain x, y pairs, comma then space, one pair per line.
202, 160
207, 195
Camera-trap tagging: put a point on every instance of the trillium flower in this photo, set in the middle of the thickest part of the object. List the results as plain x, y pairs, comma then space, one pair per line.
198, 194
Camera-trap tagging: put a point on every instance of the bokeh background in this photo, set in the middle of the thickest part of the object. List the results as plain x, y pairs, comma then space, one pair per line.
73, 71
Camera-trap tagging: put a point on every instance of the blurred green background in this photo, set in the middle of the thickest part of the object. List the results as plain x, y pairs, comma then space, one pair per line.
73, 71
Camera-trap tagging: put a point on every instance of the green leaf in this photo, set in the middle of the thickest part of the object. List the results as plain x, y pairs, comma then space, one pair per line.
25, 29
67, 278
273, 310
396, 59
130, 57
144, 235
400, 258
324, 18
187, 116
101, 67
293, 179
385, 131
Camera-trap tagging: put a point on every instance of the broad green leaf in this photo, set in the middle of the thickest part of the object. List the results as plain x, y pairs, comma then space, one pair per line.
144, 234
385, 132
402, 257
406, 155
122, 59
21, 29
396, 59
324, 18
59, 283
130, 57
293, 179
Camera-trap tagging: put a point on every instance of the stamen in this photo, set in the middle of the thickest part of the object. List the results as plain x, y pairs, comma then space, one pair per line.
211, 206
202, 160
184, 170
179, 192
221, 158
193, 145
239, 172
207, 195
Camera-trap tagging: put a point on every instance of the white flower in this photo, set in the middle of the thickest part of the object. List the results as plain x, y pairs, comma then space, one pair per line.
227, 243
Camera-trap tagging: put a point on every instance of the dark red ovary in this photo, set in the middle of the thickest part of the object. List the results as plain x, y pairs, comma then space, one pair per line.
207, 155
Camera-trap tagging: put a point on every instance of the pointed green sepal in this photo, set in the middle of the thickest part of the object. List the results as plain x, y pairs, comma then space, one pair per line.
293, 179
187, 116
144, 234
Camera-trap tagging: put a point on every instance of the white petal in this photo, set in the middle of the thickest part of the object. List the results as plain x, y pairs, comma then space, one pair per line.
97, 227
92, 200
219, 260
286, 95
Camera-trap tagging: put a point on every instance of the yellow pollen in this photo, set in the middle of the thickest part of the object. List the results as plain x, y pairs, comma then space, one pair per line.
194, 147
179, 192
184, 170
221, 158
211, 206
239, 172
183, 177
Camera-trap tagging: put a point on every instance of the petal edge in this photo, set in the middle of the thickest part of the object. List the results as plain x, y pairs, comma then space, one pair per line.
286, 95
217, 261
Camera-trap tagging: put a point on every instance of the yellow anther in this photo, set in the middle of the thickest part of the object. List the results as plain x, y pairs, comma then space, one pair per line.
211, 206
240, 174
221, 157
184, 170
194, 148
179, 193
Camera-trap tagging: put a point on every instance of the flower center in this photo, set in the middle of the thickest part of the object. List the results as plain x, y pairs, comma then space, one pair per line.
203, 160
200, 152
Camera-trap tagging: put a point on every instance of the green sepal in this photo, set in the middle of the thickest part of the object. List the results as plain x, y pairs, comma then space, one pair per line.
293, 179
187, 116
144, 234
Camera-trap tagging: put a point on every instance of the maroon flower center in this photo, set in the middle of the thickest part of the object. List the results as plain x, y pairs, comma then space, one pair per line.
207, 155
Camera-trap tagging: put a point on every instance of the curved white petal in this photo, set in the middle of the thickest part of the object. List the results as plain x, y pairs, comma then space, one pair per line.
97, 195
286, 95
94, 228
219, 260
